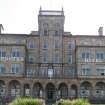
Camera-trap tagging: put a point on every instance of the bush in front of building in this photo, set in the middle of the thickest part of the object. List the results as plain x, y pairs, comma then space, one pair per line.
26, 101
72, 102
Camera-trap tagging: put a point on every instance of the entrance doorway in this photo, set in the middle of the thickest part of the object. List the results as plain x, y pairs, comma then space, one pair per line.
50, 91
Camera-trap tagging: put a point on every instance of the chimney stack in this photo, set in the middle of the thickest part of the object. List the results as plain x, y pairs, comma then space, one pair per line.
100, 31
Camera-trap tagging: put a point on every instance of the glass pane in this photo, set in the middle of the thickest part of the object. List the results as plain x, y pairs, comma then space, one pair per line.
50, 72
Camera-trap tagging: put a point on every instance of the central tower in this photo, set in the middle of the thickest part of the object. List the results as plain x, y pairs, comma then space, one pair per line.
51, 22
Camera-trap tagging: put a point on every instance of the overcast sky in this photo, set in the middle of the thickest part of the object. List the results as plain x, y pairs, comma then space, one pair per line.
81, 16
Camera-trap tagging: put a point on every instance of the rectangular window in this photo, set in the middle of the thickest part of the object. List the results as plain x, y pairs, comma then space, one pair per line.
2, 53
99, 56
69, 59
45, 57
70, 72
15, 68
56, 57
30, 73
56, 33
100, 70
50, 73
85, 55
86, 70
45, 32
31, 44
15, 52
56, 44
2, 68
45, 44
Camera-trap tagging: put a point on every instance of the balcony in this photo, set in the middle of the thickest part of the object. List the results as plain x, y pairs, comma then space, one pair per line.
48, 77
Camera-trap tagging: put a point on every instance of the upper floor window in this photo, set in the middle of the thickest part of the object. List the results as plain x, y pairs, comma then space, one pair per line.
30, 73
31, 44
85, 70
69, 46
30, 59
100, 70
45, 44
15, 52
50, 72
45, 57
69, 57
2, 68
56, 44
15, 68
56, 33
85, 55
71, 72
99, 56
45, 32
56, 58
2, 53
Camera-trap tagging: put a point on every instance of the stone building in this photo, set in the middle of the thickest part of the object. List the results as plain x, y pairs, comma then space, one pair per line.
51, 63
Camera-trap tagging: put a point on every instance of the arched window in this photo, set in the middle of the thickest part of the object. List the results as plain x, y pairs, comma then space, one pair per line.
45, 25
31, 44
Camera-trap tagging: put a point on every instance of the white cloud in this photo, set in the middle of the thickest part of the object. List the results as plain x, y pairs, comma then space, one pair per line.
81, 16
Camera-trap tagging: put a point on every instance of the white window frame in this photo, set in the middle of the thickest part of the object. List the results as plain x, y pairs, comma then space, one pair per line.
31, 44
15, 52
100, 56
56, 58
85, 70
100, 70
2, 52
69, 58
86, 56
14, 67
45, 44
45, 56
2, 68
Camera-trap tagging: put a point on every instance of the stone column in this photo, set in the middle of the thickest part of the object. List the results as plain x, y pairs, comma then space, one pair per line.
22, 89
93, 90
44, 92
7, 88
31, 90
78, 92
69, 91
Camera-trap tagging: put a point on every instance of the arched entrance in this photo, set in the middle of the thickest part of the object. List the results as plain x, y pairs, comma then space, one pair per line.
63, 90
85, 89
50, 91
26, 90
100, 89
37, 90
2, 88
14, 88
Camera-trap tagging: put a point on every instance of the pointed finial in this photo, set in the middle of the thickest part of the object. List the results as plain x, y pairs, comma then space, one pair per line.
62, 8
1, 28
62, 11
40, 8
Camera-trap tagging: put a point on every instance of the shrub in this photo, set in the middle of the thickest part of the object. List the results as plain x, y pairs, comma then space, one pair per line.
26, 101
81, 102
73, 102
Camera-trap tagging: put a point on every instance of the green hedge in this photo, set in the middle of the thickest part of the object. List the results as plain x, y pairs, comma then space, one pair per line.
73, 102
26, 101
